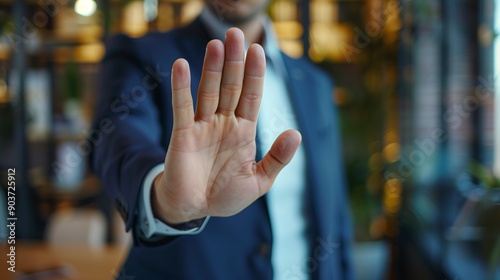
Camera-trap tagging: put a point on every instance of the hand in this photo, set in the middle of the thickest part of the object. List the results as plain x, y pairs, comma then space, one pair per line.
210, 167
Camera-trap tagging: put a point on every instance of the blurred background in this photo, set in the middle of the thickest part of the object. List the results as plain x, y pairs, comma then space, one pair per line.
417, 85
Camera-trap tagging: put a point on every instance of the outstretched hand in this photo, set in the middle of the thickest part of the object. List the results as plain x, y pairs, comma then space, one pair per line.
210, 167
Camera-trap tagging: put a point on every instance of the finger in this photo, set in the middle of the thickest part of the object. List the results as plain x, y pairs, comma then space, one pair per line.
279, 156
182, 102
232, 75
253, 83
208, 92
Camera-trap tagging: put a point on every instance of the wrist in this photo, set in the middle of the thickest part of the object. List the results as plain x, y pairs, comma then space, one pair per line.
167, 211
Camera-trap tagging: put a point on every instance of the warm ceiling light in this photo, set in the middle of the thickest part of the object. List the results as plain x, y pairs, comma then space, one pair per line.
85, 7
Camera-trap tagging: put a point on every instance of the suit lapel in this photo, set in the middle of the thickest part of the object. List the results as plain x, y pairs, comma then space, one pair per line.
311, 124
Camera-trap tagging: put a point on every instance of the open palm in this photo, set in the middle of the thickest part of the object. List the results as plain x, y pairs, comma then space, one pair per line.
210, 167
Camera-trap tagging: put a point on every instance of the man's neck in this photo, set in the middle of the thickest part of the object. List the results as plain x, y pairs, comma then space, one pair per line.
253, 30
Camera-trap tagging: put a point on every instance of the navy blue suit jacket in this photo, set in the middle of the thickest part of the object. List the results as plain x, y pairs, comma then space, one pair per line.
131, 134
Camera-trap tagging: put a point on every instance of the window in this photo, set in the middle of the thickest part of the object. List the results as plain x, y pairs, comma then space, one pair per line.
450, 121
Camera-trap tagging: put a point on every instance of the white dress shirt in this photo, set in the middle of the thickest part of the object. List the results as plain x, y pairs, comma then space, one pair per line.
286, 198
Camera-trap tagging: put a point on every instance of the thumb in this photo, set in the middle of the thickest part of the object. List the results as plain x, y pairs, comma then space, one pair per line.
279, 156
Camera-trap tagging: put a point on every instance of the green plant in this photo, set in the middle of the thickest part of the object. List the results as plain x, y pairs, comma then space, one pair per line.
489, 215
484, 175
6, 24
72, 81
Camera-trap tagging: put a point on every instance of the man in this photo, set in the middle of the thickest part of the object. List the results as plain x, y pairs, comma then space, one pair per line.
186, 180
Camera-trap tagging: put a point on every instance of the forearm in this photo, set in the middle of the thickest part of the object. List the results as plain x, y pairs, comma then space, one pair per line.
121, 167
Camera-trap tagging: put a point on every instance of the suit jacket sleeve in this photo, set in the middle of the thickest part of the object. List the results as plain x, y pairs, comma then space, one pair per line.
126, 135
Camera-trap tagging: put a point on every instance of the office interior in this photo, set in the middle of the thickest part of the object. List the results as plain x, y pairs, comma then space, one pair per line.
417, 88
